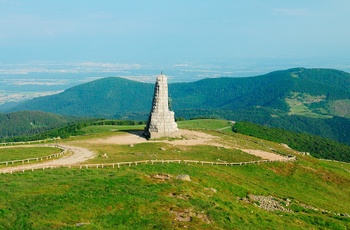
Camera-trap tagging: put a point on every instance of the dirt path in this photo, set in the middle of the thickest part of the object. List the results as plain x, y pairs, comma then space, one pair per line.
78, 155
264, 155
227, 127
190, 138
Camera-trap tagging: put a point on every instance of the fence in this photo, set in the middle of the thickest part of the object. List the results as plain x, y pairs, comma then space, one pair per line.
27, 142
12, 162
135, 163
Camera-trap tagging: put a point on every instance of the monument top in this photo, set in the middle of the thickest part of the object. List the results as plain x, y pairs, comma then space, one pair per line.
163, 77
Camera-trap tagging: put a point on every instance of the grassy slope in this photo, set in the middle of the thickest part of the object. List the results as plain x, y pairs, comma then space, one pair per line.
112, 198
19, 153
131, 198
212, 124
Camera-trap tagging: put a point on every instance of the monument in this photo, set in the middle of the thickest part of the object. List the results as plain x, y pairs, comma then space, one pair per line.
161, 121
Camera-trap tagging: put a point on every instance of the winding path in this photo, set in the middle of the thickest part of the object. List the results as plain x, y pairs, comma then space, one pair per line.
78, 155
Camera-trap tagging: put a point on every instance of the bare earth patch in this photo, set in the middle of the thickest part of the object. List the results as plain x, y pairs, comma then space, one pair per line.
264, 155
122, 139
188, 138
188, 214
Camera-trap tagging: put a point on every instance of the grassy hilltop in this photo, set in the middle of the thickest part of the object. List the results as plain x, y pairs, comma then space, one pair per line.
302, 194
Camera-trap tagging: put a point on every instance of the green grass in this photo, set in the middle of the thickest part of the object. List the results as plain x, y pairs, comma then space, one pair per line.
111, 128
130, 198
209, 124
19, 153
164, 151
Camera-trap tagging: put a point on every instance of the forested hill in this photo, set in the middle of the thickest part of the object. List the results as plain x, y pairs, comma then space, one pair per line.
29, 122
320, 91
310, 87
105, 97
297, 99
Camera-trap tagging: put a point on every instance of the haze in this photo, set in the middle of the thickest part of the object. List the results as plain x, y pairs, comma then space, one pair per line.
312, 33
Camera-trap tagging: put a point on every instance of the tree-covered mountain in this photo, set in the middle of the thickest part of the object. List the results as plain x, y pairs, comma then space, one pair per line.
316, 101
30, 122
312, 88
318, 90
101, 98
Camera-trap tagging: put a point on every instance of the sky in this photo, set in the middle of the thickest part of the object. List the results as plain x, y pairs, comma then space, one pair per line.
312, 32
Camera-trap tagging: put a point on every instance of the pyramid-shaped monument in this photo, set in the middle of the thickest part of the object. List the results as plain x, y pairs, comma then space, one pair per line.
161, 121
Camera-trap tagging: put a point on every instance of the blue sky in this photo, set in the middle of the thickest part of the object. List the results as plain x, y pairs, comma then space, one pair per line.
174, 31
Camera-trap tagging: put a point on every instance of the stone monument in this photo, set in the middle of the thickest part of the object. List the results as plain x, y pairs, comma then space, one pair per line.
161, 121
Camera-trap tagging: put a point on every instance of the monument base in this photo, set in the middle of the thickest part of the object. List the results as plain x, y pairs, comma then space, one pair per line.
162, 125
157, 135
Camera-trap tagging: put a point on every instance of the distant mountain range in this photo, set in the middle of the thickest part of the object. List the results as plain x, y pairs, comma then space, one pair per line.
316, 101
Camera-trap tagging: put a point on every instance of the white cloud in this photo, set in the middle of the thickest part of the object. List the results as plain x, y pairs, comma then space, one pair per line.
81, 67
17, 97
36, 82
42, 82
141, 78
